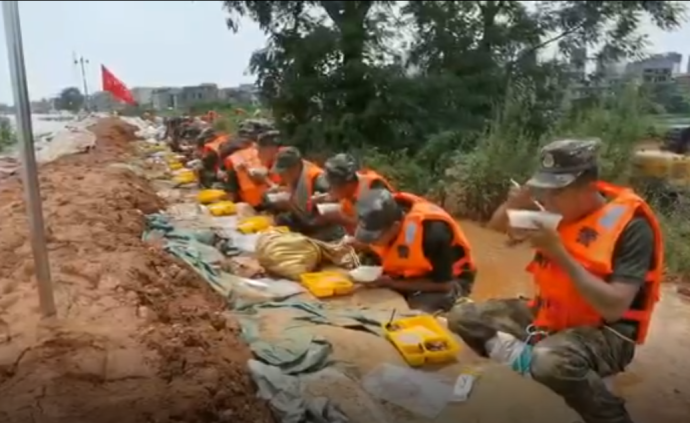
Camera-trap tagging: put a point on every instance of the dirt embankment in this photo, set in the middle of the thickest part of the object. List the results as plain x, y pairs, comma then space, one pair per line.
139, 337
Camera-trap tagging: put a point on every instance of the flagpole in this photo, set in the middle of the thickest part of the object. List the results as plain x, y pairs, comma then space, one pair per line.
15, 53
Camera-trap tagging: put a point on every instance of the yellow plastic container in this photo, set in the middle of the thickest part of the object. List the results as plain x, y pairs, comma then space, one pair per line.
422, 339
185, 177
327, 284
175, 165
209, 196
254, 224
222, 208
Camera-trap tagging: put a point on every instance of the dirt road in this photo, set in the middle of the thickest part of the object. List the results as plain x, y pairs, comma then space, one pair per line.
656, 387
139, 339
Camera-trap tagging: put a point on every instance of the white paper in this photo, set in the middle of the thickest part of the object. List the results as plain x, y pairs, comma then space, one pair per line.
463, 388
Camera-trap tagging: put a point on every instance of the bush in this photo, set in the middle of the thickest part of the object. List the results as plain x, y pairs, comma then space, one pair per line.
7, 135
476, 182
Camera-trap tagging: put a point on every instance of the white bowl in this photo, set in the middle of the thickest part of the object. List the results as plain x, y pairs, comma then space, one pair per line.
525, 219
258, 172
366, 274
275, 197
327, 208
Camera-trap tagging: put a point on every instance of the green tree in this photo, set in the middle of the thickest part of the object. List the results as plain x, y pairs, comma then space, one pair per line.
671, 97
427, 78
70, 99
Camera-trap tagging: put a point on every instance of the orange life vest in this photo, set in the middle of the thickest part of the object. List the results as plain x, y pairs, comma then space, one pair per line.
365, 179
304, 189
405, 256
214, 145
591, 241
251, 191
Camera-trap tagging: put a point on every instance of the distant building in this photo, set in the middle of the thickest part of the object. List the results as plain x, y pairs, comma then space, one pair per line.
656, 68
184, 97
244, 94
198, 94
143, 95
683, 80
165, 98
578, 64
43, 106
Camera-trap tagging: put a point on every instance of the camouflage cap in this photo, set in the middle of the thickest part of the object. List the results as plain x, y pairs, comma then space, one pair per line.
562, 161
286, 159
341, 169
206, 135
269, 139
376, 210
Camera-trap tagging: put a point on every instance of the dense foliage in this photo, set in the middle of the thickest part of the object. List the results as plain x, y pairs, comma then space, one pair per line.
457, 92
70, 99
7, 135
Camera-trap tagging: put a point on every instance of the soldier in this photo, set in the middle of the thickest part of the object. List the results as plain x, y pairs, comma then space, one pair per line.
597, 277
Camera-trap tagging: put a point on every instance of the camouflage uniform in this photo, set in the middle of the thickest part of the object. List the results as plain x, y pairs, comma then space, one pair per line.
572, 362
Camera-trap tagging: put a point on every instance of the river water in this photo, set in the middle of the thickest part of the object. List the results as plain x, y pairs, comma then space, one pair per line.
42, 123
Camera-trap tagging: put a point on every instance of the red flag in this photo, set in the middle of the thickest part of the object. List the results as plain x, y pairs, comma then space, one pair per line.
115, 87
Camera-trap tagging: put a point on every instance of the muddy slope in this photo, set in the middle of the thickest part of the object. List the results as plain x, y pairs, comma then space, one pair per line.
139, 338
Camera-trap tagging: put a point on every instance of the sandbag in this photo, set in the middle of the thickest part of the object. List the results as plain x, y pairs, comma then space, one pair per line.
287, 254
290, 254
338, 254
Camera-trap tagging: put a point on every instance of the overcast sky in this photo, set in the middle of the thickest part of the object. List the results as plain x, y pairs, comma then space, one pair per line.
153, 43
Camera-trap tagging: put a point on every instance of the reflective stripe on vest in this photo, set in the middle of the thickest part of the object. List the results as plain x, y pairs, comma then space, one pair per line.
304, 189
405, 257
251, 191
592, 241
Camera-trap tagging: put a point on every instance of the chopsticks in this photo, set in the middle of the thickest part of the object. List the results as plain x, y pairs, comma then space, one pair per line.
536, 203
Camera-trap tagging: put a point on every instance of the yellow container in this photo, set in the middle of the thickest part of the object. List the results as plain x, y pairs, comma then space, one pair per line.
209, 196
422, 339
254, 224
185, 177
175, 165
222, 208
327, 284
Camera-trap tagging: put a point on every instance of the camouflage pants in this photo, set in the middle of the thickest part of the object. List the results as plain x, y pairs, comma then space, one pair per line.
432, 302
572, 363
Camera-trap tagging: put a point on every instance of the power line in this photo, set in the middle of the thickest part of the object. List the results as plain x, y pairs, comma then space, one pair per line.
80, 61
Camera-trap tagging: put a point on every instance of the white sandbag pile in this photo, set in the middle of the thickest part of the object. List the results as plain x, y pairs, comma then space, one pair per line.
72, 137
146, 130
75, 138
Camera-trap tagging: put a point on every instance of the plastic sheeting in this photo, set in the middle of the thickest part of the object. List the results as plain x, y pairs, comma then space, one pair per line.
71, 137
72, 140
145, 129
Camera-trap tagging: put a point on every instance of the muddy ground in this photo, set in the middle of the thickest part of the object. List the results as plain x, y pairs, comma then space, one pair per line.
139, 338
655, 386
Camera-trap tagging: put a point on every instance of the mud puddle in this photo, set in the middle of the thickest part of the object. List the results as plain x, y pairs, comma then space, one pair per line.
655, 386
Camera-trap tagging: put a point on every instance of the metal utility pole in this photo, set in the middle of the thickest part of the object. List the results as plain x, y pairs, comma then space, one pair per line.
81, 61
29, 171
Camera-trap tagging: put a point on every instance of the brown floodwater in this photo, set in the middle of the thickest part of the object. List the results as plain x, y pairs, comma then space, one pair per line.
655, 386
